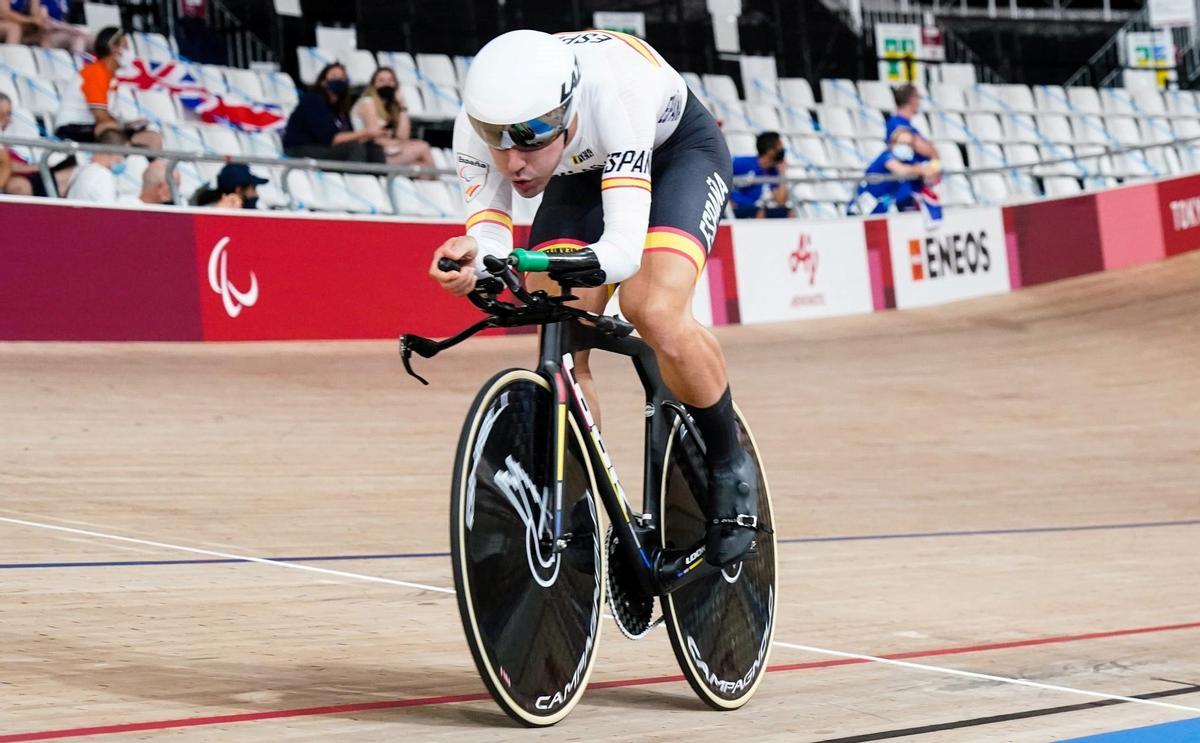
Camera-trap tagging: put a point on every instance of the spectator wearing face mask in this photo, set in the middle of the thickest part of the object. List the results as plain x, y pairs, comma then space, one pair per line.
320, 127
908, 105
900, 159
762, 199
237, 188
97, 181
382, 106
86, 110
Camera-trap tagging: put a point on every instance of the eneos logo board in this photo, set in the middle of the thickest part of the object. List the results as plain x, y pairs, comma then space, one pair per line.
966, 256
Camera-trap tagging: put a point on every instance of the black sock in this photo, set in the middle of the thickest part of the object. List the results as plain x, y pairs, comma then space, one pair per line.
718, 426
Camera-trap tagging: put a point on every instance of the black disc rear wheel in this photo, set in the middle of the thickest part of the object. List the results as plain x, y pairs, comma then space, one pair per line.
531, 613
721, 626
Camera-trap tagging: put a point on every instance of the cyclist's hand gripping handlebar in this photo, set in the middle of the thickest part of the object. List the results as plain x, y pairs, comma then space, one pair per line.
580, 268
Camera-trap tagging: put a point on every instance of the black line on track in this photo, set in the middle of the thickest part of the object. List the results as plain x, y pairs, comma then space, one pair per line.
992, 719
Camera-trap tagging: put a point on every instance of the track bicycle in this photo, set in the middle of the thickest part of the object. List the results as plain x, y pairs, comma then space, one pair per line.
531, 561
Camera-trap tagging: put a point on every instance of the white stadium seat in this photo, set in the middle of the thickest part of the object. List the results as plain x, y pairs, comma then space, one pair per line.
153, 47
55, 64
1124, 129
1182, 102
1156, 129
222, 140
985, 155
764, 116
311, 60
693, 82
958, 74
39, 96
1149, 102
158, 106
19, 58
1117, 102
1084, 101
721, 88
1062, 186
956, 191
796, 92
1019, 98
839, 92
212, 77
245, 84
1090, 130
367, 194
1056, 128
740, 143
810, 152
877, 94
948, 97
360, 65
1051, 99
950, 154
949, 126
280, 88
869, 122
985, 127
836, 120
1020, 128
439, 68
990, 188
403, 64
986, 97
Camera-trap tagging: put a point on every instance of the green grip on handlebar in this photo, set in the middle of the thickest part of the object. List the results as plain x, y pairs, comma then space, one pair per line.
530, 260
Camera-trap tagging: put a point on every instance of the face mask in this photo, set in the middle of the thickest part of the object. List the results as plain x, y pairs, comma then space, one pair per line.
387, 92
903, 152
118, 168
250, 202
337, 87
780, 155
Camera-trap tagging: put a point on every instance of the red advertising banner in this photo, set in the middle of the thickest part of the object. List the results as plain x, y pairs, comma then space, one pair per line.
1130, 229
1179, 210
287, 278
1057, 239
84, 273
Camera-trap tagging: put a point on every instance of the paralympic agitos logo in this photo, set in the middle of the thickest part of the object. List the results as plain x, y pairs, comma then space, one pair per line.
950, 254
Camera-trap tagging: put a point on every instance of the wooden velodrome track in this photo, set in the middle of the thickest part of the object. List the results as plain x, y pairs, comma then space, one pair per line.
1008, 486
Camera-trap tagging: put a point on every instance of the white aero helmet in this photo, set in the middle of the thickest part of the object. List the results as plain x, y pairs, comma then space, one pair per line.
520, 90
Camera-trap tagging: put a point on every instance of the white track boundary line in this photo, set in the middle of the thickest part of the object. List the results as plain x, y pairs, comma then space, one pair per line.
226, 555
439, 589
988, 677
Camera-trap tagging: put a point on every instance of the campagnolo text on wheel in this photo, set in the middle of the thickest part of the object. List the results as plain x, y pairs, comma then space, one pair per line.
633, 174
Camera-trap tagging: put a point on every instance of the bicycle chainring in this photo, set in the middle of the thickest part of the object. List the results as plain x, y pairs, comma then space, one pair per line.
631, 607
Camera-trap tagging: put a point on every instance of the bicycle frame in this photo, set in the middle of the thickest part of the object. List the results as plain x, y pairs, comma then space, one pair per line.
659, 571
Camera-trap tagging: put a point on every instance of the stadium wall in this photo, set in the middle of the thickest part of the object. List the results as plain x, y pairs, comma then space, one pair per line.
71, 272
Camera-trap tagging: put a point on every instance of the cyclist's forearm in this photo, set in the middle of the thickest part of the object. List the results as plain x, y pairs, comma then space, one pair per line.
626, 217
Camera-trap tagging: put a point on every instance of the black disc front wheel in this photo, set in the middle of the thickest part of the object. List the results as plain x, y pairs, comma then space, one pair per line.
530, 607
720, 626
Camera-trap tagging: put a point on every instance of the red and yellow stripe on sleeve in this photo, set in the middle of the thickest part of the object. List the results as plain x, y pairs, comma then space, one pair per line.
671, 240
494, 216
638, 46
624, 181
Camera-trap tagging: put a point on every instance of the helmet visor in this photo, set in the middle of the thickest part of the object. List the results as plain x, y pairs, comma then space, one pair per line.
525, 135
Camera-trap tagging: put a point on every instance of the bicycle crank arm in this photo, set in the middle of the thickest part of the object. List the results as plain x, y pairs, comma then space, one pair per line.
674, 569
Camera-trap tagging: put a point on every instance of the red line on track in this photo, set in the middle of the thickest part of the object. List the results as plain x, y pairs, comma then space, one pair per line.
133, 727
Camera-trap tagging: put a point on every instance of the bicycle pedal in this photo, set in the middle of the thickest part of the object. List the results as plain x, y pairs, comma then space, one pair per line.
631, 608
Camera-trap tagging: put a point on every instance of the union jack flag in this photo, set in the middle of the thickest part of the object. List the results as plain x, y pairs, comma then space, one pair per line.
176, 77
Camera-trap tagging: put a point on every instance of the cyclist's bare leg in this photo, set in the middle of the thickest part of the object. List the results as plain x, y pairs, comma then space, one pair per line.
658, 301
592, 300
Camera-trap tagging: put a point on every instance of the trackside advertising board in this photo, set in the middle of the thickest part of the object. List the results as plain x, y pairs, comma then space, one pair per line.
964, 257
792, 270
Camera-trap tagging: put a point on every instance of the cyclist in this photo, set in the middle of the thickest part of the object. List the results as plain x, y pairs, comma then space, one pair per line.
633, 170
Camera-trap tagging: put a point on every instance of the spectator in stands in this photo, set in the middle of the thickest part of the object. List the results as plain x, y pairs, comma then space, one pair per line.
17, 23
155, 189
898, 160
237, 188
382, 106
40, 22
97, 181
86, 109
908, 104
320, 127
761, 199
25, 179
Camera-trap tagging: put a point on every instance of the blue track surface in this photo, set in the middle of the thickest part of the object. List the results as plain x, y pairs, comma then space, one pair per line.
1186, 731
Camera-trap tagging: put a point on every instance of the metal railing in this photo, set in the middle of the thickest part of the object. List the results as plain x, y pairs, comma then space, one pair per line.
1102, 68
174, 157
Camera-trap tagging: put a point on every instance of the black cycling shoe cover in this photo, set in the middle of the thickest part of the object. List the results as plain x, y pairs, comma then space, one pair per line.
732, 511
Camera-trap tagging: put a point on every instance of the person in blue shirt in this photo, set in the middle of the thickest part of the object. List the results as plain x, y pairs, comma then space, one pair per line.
908, 104
898, 160
762, 200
